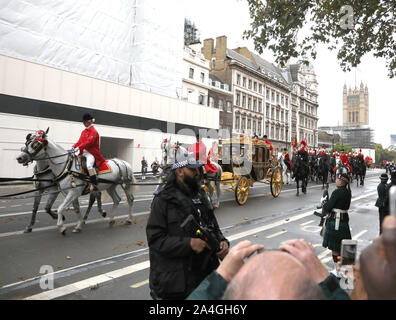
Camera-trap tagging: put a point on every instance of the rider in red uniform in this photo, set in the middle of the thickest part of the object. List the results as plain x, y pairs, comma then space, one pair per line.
199, 151
344, 161
88, 145
267, 142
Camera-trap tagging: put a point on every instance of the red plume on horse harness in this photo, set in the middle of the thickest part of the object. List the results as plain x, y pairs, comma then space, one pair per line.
41, 137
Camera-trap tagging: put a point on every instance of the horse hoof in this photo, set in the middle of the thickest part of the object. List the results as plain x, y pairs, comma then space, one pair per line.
27, 230
111, 223
63, 218
63, 231
128, 222
104, 214
76, 230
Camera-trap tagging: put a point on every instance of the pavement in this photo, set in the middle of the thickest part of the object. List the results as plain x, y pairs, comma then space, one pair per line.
108, 263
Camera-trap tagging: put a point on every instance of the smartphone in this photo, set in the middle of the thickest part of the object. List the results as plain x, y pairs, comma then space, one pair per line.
392, 201
348, 252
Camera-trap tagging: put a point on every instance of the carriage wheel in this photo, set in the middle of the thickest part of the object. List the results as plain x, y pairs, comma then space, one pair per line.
276, 182
242, 190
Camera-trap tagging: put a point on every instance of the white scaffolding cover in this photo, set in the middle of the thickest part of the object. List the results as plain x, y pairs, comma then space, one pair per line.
137, 43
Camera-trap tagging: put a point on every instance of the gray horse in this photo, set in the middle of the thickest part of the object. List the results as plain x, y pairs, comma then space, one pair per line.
169, 153
64, 165
43, 172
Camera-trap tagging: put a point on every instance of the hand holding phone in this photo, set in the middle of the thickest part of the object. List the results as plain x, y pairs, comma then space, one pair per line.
348, 252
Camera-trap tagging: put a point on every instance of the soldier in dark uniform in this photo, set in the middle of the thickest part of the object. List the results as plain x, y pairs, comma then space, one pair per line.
380, 203
337, 223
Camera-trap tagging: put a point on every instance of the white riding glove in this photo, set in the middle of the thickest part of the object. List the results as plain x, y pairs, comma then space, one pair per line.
323, 200
76, 150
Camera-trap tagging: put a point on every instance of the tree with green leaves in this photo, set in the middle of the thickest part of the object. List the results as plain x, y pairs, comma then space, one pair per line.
338, 147
353, 28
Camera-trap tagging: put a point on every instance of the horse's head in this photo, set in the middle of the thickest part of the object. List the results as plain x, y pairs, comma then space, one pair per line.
34, 147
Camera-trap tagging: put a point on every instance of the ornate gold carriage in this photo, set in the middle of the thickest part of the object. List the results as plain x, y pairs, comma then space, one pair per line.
245, 161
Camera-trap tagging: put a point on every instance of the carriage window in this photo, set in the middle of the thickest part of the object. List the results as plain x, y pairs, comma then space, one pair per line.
260, 155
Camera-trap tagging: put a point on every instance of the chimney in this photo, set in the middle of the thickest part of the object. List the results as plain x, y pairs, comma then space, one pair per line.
208, 48
221, 47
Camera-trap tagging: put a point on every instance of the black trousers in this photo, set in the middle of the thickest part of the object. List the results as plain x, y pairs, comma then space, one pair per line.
382, 214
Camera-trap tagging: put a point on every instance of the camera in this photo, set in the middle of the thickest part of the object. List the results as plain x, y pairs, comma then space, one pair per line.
348, 252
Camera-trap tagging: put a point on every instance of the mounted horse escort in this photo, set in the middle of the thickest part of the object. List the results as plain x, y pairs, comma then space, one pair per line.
72, 183
209, 175
212, 171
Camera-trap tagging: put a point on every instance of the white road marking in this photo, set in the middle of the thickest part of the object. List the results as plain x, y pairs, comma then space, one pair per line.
97, 280
93, 281
276, 234
305, 223
7, 234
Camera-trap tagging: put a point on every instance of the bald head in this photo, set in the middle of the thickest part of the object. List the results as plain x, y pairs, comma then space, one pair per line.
273, 275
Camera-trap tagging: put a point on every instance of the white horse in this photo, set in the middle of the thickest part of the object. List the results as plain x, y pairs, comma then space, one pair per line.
43, 172
286, 171
169, 153
64, 165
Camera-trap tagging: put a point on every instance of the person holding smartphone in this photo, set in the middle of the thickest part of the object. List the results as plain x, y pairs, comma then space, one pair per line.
337, 222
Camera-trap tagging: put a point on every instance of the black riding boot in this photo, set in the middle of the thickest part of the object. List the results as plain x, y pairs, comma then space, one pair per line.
94, 183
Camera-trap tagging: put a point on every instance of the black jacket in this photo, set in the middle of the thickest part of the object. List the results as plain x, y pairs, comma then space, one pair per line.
175, 269
381, 189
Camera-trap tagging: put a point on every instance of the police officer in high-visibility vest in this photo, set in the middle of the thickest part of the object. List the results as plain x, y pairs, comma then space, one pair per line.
88, 146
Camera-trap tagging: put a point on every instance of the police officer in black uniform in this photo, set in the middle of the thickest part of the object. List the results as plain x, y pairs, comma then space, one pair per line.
337, 222
177, 257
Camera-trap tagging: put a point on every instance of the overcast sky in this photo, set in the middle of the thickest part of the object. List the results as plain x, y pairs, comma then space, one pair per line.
215, 18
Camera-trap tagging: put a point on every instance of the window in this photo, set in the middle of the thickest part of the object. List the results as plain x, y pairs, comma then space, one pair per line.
238, 79
282, 100
229, 108
211, 102
272, 113
249, 124
237, 122
268, 94
243, 101
272, 96
259, 106
266, 129
201, 99
202, 77
259, 128
277, 114
267, 110
260, 88
244, 81
250, 84
287, 101
243, 125
254, 104
221, 105
277, 98
255, 86
282, 119
238, 99
213, 63
191, 75
287, 135
249, 103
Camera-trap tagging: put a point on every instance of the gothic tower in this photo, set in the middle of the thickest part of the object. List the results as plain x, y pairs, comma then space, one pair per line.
355, 106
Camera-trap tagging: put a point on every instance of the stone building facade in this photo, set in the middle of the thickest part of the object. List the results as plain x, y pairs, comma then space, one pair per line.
355, 106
